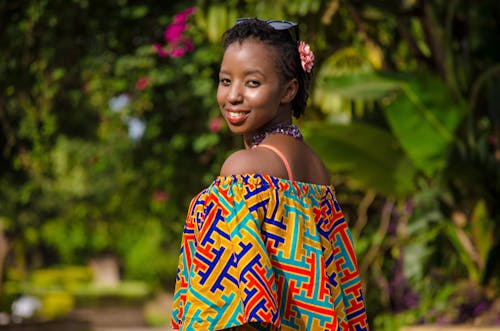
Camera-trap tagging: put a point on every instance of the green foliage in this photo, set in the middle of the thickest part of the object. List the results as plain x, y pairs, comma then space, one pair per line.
60, 289
67, 277
56, 304
347, 76
216, 19
86, 185
369, 86
473, 240
425, 112
350, 149
420, 93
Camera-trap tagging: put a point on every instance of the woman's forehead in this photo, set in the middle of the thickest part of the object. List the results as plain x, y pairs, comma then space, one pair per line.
251, 51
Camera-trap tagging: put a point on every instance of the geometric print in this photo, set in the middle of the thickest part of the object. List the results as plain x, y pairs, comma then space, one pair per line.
268, 251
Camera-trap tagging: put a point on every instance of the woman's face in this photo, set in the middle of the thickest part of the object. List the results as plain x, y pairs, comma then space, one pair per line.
250, 93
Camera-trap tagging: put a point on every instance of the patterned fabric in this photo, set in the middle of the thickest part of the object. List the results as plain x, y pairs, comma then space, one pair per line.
268, 251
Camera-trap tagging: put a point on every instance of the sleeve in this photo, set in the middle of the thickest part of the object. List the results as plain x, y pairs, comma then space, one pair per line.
343, 270
222, 262
188, 246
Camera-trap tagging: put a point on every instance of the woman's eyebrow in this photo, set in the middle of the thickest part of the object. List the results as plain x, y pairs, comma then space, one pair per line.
253, 71
246, 72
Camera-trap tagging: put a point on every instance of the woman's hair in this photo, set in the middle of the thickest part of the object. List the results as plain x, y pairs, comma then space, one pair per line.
286, 54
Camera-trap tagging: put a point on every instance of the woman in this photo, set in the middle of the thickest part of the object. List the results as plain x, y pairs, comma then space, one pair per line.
266, 246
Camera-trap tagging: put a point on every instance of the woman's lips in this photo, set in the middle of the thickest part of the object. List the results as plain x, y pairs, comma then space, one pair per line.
236, 117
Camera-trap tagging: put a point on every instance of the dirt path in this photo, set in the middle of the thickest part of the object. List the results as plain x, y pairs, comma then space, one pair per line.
123, 318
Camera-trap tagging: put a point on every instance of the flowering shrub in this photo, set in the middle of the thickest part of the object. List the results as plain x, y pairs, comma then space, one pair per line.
177, 43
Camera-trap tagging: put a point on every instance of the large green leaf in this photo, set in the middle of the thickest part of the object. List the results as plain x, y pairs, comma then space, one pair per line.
424, 118
365, 86
482, 232
215, 20
368, 156
460, 241
345, 62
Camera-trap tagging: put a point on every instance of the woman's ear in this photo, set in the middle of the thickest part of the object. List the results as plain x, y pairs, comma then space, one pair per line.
289, 91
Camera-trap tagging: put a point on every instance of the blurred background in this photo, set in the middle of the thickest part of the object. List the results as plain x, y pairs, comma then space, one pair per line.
109, 126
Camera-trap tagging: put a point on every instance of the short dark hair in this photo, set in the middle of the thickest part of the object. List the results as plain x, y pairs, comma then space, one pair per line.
287, 54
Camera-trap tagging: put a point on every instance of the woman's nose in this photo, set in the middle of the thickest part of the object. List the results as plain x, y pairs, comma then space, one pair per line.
235, 95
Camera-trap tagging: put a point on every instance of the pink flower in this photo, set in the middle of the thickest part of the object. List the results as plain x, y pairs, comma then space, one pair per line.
188, 45
142, 83
160, 50
160, 196
493, 140
306, 56
177, 52
183, 15
177, 44
215, 124
174, 31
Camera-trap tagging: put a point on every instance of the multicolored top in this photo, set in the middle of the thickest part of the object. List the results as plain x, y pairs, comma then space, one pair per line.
267, 251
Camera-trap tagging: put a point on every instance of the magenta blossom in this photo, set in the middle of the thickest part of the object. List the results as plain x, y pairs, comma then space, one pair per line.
142, 83
183, 15
160, 50
215, 124
177, 44
177, 52
493, 140
160, 196
188, 45
174, 31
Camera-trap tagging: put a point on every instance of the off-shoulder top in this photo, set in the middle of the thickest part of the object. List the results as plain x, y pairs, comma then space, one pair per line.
267, 251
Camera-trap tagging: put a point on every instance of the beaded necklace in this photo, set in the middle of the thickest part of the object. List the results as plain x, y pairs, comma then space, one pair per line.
288, 130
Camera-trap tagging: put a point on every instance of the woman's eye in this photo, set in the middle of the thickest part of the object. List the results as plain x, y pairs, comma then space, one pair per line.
224, 81
253, 83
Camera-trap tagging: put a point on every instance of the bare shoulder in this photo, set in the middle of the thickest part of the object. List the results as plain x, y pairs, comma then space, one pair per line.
255, 160
237, 163
318, 173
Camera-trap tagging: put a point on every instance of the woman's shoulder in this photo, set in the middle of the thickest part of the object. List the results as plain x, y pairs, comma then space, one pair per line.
238, 162
253, 160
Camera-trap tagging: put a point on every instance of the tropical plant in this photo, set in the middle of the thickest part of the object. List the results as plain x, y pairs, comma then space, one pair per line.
421, 132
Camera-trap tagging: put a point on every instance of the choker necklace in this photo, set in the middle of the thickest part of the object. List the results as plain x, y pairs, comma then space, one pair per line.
288, 130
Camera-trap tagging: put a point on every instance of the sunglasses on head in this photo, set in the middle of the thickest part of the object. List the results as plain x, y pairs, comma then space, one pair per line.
276, 25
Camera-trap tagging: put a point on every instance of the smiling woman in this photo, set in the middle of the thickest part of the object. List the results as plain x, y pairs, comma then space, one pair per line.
250, 93
266, 246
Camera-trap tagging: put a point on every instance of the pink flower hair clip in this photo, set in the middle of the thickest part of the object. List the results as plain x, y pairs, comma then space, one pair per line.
306, 56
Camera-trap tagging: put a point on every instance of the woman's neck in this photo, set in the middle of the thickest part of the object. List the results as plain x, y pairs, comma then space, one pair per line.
283, 129
284, 118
